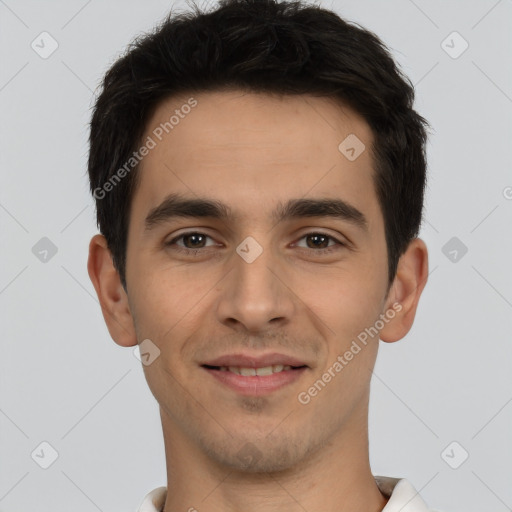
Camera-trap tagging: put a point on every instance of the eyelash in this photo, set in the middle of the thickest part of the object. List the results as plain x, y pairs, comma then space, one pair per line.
187, 251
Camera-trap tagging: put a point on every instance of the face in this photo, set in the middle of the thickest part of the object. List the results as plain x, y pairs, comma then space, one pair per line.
249, 283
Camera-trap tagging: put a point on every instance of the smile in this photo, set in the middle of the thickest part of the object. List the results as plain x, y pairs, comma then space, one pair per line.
255, 381
250, 372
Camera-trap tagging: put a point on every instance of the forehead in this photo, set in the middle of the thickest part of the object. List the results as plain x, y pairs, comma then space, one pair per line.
250, 150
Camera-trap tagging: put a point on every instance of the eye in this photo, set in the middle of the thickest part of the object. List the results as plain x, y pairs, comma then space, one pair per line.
320, 242
193, 240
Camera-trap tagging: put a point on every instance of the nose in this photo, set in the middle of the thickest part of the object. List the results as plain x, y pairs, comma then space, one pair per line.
254, 295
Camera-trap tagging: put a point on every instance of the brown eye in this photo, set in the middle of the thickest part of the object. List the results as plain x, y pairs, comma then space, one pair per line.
191, 241
319, 242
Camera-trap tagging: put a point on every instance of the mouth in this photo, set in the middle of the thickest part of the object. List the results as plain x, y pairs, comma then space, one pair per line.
255, 376
253, 372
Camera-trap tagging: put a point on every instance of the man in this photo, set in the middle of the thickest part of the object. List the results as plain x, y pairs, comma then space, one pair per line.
259, 173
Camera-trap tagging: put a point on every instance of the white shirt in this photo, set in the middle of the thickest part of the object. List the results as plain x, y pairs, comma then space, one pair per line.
402, 497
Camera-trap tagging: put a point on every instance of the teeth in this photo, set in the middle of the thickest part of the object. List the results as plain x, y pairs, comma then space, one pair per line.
251, 372
267, 370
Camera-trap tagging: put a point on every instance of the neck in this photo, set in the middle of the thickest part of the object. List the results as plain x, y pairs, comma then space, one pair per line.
335, 478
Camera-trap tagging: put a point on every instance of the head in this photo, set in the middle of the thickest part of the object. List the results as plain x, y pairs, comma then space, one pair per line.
248, 108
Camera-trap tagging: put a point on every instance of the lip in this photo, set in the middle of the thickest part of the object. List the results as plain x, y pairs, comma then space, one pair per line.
250, 361
256, 385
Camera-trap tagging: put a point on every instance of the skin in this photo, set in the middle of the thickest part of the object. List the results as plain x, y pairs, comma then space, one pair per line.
250, 151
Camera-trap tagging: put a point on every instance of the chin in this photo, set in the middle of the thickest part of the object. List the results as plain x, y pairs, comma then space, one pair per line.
258, 455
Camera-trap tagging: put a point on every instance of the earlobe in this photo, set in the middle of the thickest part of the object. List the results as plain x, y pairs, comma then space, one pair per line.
409, 282
111, 294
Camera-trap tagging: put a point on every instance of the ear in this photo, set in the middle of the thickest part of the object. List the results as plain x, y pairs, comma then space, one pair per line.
111, 294
405, 291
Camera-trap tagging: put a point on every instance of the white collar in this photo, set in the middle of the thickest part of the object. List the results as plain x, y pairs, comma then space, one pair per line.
402, 497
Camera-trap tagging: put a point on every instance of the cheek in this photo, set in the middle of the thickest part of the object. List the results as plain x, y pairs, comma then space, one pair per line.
347, 300
164, 296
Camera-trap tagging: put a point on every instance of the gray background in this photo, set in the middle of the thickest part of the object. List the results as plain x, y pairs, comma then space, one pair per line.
65, 382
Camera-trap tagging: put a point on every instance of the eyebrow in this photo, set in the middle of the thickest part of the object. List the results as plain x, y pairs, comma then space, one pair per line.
179, 206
